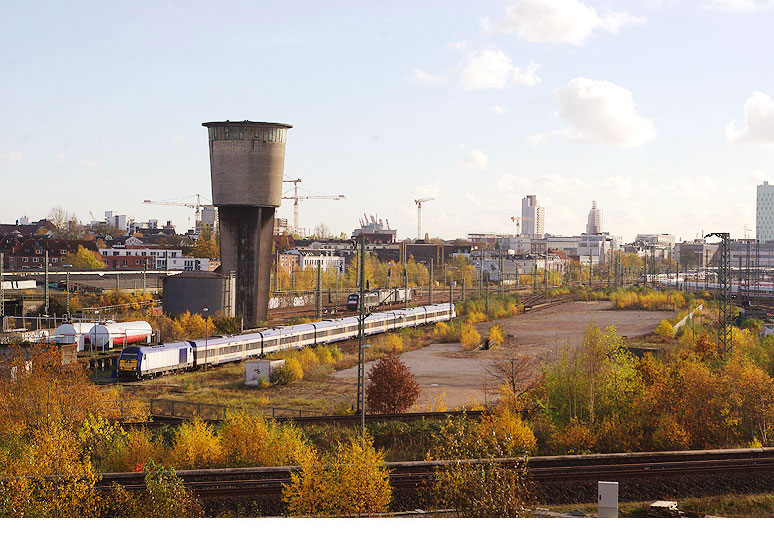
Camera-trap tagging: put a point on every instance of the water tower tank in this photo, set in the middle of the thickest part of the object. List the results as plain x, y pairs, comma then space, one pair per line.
247, 160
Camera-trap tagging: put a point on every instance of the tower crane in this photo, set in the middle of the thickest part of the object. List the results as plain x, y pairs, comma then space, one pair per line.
419, 215
295, 197
197, 206
517, 220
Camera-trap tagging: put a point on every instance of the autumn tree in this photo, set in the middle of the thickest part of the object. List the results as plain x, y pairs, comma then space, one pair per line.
513, 373
350, 481
43, 390
84, 259
392, 387
206, 245
321, 231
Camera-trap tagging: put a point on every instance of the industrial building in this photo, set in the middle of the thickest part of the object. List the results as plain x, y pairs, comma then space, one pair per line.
311, 258
374, 230
202, 292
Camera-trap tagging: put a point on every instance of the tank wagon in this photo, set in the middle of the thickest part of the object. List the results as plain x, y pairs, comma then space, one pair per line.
374, 298
111, 334
139, 362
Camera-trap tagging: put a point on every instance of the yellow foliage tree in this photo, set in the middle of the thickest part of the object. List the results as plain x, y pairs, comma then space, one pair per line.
254, 441
351, 481
196, 446
83, 259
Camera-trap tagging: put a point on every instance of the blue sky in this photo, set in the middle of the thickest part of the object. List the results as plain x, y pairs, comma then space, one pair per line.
475, 104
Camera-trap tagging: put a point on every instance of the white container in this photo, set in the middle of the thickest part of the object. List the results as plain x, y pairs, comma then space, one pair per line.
113, 334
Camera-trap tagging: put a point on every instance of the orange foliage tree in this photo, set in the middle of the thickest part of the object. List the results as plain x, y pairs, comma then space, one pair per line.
392, 387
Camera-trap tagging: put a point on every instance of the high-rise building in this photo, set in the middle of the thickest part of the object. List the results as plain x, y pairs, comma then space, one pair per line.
532, 218
594, 224
210, 218
764, 213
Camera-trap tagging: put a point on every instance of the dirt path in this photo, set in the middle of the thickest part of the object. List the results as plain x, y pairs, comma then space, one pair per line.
445, 371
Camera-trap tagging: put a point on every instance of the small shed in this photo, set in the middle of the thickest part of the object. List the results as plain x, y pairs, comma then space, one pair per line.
255, 370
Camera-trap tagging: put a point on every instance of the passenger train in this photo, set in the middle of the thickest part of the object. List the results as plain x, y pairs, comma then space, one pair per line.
147, 361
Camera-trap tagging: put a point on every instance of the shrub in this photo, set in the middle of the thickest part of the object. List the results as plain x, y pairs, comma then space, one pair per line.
196, 445
351, 481
476, 316
469, 338
482, 491
496, 335
504, 434
392, 387
665, 329
390, 343
575, 438
165, 496
287, 373
254, 441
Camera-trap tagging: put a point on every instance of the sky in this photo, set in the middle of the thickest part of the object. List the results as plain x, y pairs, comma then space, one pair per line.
661, 111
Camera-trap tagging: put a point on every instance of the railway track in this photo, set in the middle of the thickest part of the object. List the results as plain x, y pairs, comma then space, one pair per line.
407, 476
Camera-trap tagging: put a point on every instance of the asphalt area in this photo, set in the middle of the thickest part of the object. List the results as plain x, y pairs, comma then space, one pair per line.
458, 378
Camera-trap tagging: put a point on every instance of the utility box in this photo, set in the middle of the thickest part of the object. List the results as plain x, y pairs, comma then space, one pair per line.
256, 370
608, 499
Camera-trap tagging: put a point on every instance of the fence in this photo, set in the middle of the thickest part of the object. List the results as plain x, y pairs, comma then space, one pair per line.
137, 409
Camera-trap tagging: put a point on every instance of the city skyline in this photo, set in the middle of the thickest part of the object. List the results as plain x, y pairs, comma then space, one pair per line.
659, 111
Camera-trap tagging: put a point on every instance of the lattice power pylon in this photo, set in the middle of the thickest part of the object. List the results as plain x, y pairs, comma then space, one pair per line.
725, 336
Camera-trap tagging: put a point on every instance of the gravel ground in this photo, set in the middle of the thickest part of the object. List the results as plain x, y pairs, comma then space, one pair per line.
459, 378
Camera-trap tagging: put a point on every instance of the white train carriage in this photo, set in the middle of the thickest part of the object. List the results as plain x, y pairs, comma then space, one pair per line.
218, 350
297, 336
270, 340
334, 330
141, 361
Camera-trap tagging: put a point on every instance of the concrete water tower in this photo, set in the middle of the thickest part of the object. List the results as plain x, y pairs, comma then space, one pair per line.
247, 160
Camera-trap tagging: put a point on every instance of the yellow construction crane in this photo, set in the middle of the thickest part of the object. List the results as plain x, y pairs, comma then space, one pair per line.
197, 206
295, 197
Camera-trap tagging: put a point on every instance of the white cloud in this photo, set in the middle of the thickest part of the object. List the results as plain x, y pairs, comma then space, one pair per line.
493, 69
424, 79
565, 21
739, 6
758, 121
88, 163
599, 112
177, 138
13, 156
476, 159
498, 109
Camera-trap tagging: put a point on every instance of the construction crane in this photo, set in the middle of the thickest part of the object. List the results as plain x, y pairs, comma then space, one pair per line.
419, 215
295, 197
517, 220
197, 206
